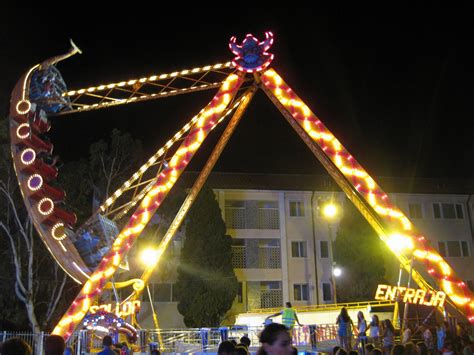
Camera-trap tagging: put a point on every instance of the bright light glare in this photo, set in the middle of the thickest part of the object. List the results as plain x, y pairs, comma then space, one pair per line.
330, 210
399, 242
337, 272
149, 257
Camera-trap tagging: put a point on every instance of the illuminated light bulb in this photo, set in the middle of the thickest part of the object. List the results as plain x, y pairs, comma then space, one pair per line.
45, 206
110, 86
406, 223
131, 82
207, 67
23, 131
330, 210
371, 198
101, 87
23, 107
35, 182
163, 76
446, 269
91, 89
122, 83
399, 242
81, 91
58, 231
184, 72
70, 93
28, 156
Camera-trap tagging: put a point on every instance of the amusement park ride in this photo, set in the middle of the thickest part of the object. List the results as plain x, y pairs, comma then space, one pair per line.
92, 253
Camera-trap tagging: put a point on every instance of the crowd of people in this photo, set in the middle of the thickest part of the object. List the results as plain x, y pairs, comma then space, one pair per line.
378, 337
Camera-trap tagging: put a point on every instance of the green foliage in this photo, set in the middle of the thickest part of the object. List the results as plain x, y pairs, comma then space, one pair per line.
206, 285
359, 252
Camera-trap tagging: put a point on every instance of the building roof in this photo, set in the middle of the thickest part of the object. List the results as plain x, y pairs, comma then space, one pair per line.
294, 182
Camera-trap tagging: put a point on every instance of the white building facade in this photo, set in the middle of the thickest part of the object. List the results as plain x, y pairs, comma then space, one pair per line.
282, 241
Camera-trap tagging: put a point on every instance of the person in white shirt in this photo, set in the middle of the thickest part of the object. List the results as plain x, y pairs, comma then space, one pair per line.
374, 331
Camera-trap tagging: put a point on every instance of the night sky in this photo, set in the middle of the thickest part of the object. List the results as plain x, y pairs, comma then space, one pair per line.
395, 87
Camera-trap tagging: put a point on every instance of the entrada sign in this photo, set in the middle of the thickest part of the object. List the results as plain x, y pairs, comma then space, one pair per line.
120, 310
410, 295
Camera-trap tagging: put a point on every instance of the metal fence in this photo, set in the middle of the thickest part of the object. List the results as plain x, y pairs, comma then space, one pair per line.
313, 337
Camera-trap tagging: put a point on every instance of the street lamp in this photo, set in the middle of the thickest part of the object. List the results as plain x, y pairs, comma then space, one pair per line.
149, 257
330, 211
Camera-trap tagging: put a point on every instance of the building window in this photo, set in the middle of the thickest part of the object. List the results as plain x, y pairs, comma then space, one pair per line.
296, 208
300, 292
442, 249
298, 250
448, 211
454, 249
324, 245
327, 296
414, 210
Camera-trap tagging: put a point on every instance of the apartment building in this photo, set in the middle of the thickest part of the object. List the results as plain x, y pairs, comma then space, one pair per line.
282, 240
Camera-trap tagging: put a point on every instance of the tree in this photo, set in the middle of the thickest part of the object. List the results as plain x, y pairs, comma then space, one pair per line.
359, 251
39, 285
90, 181
206, 285
27, 268
110, 164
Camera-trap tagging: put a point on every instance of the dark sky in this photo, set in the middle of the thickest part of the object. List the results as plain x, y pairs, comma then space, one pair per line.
396, 87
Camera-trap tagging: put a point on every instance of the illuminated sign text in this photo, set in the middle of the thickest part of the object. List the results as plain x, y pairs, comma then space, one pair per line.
410, 295
120, 310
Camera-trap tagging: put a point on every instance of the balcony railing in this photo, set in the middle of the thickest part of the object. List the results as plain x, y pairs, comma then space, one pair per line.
264, 258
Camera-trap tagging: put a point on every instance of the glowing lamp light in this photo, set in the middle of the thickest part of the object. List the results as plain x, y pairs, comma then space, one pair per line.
337, 272
399, 242
23, 131
35, 182
330, 210
45, 206
23, 107
149, 257
58, 231
28, 156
